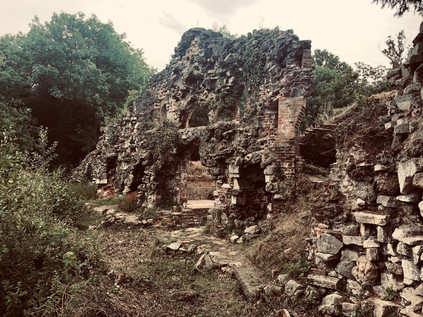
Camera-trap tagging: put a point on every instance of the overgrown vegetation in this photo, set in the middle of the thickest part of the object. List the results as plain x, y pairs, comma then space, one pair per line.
45, 265
69, 74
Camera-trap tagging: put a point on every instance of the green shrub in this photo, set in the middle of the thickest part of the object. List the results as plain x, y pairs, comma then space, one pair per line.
44, 263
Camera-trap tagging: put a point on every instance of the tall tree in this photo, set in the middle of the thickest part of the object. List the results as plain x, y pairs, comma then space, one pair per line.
402, 6
72, 72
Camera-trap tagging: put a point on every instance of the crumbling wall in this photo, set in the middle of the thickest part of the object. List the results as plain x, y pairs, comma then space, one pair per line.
249, 95
368, 230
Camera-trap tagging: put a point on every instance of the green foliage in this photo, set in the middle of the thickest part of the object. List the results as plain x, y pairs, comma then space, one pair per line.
395, 49
402, 6
44, 263
392, 294
299, 269
72, 72
337, 85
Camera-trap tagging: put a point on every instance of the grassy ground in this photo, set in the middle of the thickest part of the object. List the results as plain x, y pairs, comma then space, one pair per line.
142, 280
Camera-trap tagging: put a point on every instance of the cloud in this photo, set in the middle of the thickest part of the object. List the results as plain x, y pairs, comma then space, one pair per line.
167, 20
223, 8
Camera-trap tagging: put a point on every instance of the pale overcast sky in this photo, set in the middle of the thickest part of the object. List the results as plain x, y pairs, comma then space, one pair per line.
355, 30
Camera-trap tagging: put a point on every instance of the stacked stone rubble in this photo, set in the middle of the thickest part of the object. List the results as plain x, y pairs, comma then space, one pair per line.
372, 245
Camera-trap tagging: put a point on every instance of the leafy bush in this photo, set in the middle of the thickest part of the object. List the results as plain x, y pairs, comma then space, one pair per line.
44, 263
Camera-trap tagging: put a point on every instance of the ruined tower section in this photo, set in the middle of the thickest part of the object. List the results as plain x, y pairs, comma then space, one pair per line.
231, 105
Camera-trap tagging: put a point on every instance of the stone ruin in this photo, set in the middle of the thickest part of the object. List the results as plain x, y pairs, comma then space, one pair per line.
234, 105
367, 240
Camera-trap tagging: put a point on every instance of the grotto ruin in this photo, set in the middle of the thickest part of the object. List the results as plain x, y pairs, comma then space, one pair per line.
232, 104
235, 106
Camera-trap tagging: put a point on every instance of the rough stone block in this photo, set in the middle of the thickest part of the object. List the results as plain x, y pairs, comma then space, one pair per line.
403, 249
372, 254
352, 240
371, 218
324, 281
345, 268
371, 243
403, 102
331, 304
402, 129
327, 243
365, 272
410, 270
293, 288
418, 180
406, 172
381, 234
349, 255
325, 257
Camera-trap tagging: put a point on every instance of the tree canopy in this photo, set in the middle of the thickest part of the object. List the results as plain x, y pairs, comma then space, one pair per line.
71, 72
402, 6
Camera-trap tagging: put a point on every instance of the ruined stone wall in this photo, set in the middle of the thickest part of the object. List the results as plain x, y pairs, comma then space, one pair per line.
368, 230
244, 99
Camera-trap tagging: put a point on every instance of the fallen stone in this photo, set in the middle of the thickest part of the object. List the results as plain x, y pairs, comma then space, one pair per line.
371, 218
204, 262
328, 244
293, 288
403, 102
273, 290
252, 230
312, 294
282, 279
331, 304
234, 238
400, 129
324, 281
174, 246
416, 240
421, 208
